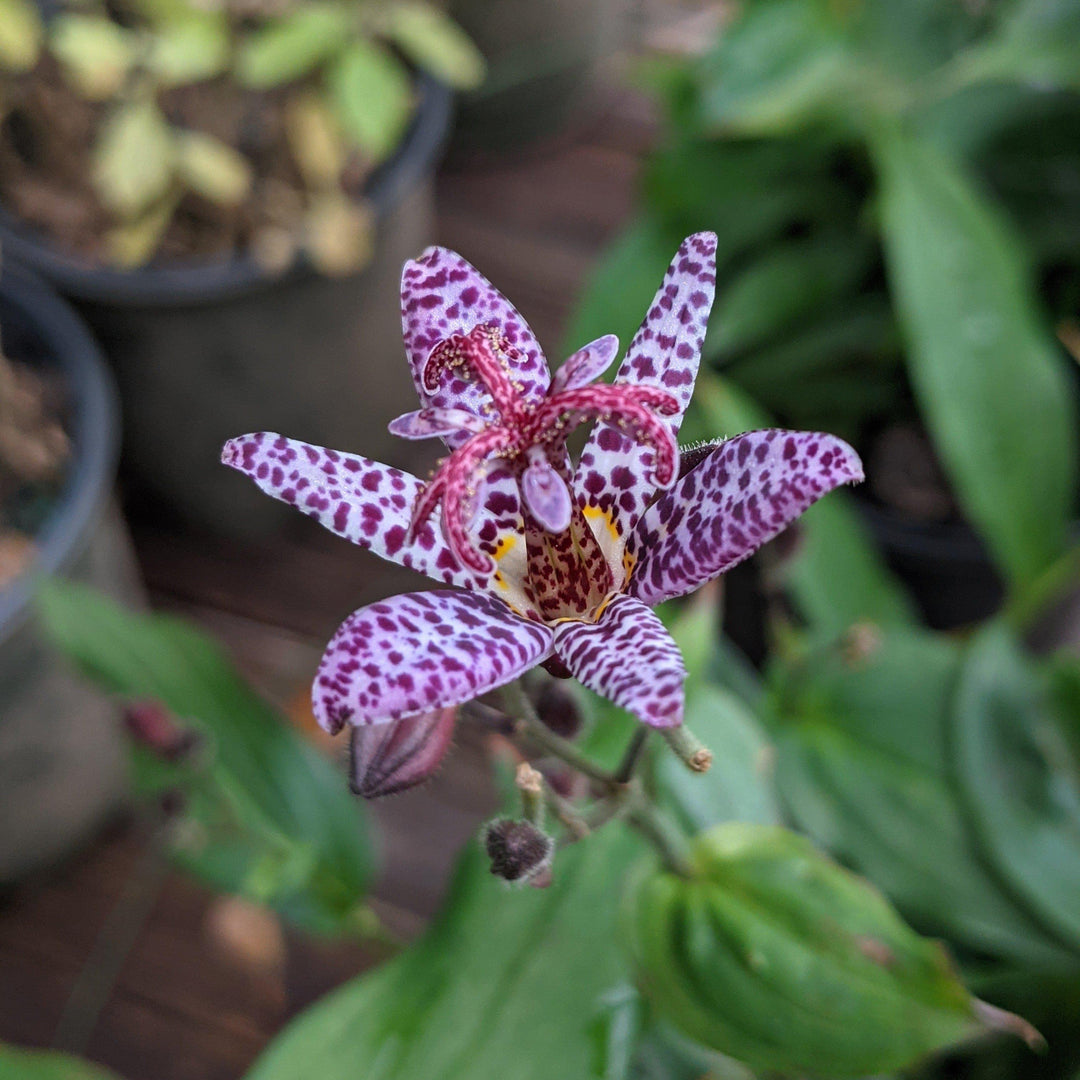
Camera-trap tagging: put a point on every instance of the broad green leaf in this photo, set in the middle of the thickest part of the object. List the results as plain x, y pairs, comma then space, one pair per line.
506, 983
17, 1063
189, 49
1018, 778
738, 786
96, 54
212, 168
837, 576
1037, 43
434, 42
21, 32
372, 96
771, 953
992, 385
275, 819
290, 46
786, 284
780, 64
134, 159
864, 770
622, 285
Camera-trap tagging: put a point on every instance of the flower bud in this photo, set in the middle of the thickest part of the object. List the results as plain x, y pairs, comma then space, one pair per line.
557, 707
388, 758
518, 850
152, 726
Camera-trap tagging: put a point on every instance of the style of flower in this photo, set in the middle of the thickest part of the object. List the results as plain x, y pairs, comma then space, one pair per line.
552, 562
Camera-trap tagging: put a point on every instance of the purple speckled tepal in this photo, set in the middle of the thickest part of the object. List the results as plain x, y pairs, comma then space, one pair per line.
552, 561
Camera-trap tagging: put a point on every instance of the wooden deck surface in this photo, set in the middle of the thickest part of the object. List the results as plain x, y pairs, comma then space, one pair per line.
206, 984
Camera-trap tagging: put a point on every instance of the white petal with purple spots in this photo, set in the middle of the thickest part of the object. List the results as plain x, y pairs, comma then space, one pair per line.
628, 657
442, 294
613, 474
359, 499
587, 364
417, 652
743, 494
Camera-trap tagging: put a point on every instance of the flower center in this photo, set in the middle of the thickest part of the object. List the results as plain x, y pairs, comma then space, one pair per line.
567, 572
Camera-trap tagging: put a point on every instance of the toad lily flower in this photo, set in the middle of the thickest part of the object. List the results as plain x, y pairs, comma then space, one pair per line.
551, 562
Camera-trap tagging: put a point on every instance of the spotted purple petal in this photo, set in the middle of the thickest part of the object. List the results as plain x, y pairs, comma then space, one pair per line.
417, 652
359, 499
441, 295
629, 658
431, 423
387, 758
743, 494
586, 365
613, 475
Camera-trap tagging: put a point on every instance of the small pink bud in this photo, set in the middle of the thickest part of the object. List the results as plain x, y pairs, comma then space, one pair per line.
151, 725
388, 758
518, 850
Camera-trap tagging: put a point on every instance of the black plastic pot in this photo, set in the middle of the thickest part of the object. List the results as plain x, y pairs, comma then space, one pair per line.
61, 759
945, 566
543, 58
206, 351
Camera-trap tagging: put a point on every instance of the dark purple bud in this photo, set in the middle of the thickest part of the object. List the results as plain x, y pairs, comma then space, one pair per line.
151, 725
557, 708
690, 457
556, 668
388, 758
518, 850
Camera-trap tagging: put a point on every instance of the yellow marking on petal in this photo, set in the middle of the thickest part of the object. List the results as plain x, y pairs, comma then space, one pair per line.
505, 545
628, 563
606, 516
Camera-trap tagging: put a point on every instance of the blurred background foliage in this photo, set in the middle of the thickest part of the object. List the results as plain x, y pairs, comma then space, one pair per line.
896, 191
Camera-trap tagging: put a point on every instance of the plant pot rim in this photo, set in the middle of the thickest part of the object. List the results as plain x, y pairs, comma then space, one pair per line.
209, 281
94, 431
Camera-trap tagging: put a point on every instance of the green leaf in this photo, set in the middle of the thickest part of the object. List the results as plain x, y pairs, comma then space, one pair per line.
96, 55
133, 242
781, 64
738, 786
504, 983
372, 96
290, 46
784, 285
864, 770
773, 954
190, 49
991, 383
1018, 778
19, 1064
434, 42
275, 819
212, 168
134, 159
622, 285
21, 32
1037, 43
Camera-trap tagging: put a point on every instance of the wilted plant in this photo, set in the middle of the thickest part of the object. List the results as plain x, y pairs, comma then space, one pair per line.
272, 113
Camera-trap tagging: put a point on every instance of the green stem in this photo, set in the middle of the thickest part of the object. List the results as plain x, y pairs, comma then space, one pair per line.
1026, 608
632, 755
520, 707
656, 828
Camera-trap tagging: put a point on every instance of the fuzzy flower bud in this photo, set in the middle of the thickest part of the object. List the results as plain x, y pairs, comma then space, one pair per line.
518, 850
152, 726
